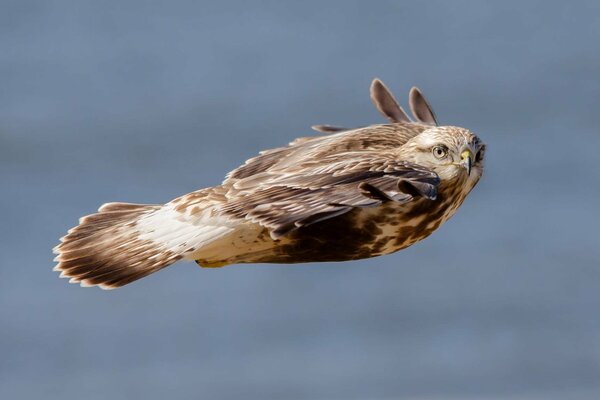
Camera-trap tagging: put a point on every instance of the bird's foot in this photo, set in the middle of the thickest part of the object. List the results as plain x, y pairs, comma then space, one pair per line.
211, 264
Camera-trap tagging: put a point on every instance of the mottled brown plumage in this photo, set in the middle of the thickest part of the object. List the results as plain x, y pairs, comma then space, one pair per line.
352, 194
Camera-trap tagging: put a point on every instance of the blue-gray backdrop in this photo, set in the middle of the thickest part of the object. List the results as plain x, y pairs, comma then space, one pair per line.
144, 101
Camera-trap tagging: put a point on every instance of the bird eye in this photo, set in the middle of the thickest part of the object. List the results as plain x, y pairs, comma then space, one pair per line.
440, 151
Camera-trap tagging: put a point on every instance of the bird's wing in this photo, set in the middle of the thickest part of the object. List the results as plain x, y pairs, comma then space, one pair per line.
388, 106
326, 128
386, 103
316, 190
420, 108
374, 137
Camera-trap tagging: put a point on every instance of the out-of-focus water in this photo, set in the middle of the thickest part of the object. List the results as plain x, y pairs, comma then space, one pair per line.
139, 102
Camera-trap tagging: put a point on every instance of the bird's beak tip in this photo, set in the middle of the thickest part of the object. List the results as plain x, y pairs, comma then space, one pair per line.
467, 160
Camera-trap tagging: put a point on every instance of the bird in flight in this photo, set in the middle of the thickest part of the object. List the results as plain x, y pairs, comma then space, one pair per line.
350, 194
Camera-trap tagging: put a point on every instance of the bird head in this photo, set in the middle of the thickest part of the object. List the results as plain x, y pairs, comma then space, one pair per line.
454, 153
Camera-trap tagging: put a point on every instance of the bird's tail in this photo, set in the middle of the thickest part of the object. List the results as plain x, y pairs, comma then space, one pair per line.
113, 248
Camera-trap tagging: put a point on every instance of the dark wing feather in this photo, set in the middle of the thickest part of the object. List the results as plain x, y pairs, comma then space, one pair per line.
420, 107
283, 209
329, 128
285, 200
386, 103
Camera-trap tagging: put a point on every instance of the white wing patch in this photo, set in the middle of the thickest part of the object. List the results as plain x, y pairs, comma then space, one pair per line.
183, 233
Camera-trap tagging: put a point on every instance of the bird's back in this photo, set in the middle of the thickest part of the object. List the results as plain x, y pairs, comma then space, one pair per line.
373, 137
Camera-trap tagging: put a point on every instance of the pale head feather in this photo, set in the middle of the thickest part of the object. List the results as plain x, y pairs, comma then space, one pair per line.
420, 150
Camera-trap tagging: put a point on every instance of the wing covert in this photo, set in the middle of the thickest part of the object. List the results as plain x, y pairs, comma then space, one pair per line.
285, 200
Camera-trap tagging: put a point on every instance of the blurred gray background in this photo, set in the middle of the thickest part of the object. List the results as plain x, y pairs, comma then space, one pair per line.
144, 101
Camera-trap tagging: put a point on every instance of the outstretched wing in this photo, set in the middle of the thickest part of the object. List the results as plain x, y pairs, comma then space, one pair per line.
283, 200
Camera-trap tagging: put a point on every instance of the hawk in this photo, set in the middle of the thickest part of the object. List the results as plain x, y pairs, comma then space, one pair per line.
350, 194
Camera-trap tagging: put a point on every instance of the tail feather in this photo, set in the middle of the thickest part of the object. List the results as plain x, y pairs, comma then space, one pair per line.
107, 250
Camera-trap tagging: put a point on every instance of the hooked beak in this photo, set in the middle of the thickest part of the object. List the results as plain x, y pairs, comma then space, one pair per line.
467, 160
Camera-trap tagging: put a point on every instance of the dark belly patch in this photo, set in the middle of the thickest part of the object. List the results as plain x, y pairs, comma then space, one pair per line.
338, 239
355, 235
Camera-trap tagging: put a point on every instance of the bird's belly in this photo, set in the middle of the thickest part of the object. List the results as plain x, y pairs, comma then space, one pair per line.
361, 233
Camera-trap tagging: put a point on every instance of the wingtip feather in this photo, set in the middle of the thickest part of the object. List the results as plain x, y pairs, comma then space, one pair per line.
386, 103
420, 108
